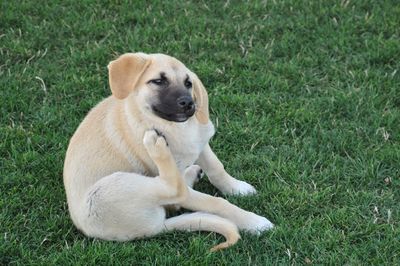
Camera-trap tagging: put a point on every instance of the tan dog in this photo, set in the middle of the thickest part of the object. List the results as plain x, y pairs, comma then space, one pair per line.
155, 124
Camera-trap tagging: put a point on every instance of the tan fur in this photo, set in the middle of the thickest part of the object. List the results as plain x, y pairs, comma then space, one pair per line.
119, 174
201, 98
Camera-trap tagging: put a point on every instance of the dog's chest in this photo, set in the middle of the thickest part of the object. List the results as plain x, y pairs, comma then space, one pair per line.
187, 141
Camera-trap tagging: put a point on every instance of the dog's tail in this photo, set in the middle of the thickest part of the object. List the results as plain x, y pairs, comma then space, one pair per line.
201, 221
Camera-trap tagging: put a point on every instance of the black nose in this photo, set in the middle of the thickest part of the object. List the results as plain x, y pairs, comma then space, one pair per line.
185, 103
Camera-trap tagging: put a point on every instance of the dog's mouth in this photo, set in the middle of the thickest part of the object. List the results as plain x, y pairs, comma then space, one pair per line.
175, 117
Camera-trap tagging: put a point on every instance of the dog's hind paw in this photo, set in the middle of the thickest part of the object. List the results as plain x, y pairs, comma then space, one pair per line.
155, 144
256, 224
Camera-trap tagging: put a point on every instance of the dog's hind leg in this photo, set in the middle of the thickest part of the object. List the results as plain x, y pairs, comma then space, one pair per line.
169, 173
245, 220
191, 175
125, 206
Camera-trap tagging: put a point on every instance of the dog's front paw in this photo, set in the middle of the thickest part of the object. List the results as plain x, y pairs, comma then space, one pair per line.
155, 144
256, 224
193, 174
237, 187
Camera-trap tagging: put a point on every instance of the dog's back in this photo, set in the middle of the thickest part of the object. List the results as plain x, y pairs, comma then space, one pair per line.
91, 154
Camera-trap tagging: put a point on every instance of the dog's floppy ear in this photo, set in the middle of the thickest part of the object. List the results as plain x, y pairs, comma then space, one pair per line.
125, 72
201, 99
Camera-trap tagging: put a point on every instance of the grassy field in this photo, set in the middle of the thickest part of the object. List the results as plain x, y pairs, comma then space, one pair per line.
305, 96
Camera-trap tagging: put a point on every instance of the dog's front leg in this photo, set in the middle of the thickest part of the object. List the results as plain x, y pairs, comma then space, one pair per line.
217, 175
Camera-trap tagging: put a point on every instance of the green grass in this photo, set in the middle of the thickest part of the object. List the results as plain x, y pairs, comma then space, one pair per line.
305, 96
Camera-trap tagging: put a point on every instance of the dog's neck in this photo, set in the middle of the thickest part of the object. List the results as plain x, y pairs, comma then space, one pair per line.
187, 139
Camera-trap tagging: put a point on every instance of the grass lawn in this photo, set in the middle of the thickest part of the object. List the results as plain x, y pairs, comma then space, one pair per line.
305, 96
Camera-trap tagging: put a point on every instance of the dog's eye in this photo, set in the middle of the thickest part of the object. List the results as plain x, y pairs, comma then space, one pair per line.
188, 83
157, 82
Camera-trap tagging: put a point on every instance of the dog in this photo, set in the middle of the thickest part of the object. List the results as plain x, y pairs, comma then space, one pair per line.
142, 149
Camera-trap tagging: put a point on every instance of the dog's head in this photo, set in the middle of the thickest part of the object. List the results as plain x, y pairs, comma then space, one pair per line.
164, 86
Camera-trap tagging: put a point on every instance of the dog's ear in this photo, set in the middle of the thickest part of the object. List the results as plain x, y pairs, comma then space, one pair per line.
200, 97
125, 72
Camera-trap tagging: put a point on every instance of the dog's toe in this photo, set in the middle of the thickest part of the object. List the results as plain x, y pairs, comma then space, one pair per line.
150, 137
160, 134
193, 174
161, 142
200, 174
155, 144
